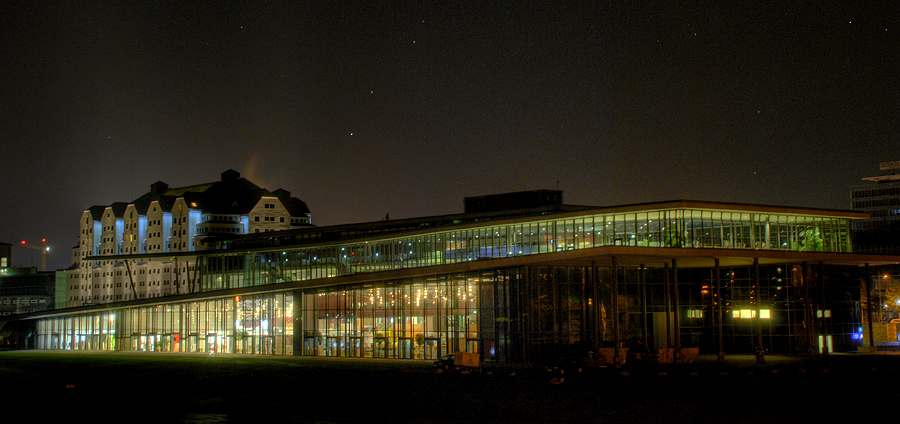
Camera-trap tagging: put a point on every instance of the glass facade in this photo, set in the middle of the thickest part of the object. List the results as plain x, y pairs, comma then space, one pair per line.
410, 319
504, 313
672, 228
513, 314
259, 324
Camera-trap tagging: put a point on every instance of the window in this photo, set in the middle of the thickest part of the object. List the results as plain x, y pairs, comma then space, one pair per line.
751, 313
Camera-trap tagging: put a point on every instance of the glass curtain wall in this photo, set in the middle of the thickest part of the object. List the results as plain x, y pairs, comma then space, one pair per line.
505, 314
259, 324
420, 318
81, 332
673, 228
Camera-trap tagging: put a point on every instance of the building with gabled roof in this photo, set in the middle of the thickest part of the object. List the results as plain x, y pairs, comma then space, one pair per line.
169, 220
514, 277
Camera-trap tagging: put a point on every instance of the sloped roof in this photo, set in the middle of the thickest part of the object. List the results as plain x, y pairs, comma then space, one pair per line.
118, 209
234, 196
182, 191
231, 195
295, 206
96, 212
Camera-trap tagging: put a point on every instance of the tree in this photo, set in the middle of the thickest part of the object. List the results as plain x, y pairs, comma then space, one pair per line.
675, 235
885, 297
810, 241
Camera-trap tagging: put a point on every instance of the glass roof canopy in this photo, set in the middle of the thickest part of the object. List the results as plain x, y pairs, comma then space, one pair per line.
683, 225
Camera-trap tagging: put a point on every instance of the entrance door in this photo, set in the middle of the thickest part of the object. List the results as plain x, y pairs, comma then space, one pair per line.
432, 348
380, 350
472, 345
331, 346
356, 347
191, 343
309, 346
405, 348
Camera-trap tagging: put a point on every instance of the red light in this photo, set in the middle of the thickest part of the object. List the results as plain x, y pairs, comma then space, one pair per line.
43, 240
23, 241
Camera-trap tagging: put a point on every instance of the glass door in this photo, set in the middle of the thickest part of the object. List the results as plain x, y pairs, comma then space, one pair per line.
356, 347
332, 346
432, 348
405, 348
381, 344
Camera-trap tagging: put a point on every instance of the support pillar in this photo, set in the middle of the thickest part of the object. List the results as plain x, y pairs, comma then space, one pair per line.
807, 311
820, 279
868, 283
668, 307
677, 311
596, 315
718, 313
760, 352
615, 305
643, 307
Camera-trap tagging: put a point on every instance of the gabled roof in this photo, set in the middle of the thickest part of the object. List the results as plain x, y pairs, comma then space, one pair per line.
294, 206
235, 196
166, 203
96, 212
231, 195
118, 209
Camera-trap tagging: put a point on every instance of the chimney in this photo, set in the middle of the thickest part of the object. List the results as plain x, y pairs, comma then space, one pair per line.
230, 175
158, 188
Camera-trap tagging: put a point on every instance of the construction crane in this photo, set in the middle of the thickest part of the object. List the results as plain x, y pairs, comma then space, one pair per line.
44, 250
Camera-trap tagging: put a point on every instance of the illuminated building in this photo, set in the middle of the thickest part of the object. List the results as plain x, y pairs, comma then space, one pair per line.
5, 251
24, 290
140, 234
880, 197
515, 277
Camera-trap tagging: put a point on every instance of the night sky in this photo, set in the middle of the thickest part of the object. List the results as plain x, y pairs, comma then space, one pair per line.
367, 108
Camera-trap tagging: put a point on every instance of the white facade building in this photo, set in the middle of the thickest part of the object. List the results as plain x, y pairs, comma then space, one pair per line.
141, 249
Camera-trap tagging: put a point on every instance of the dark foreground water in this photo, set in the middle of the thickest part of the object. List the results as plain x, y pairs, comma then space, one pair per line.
114, 388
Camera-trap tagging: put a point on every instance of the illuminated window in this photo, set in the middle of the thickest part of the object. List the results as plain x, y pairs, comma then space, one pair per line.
695, 313
750, 314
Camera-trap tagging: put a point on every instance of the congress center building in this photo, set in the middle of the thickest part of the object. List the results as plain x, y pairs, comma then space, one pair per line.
516, 277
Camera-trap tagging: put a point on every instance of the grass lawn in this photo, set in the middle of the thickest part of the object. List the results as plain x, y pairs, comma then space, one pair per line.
164, 388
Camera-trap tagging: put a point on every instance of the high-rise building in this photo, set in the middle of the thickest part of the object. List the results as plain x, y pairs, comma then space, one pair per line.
142, 249
880, 197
